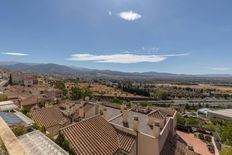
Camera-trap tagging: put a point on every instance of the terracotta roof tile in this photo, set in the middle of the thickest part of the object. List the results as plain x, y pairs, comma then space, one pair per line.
47, 116
30, 101
157, 114
97, 136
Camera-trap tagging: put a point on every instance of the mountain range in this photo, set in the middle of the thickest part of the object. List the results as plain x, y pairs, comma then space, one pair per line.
93, 73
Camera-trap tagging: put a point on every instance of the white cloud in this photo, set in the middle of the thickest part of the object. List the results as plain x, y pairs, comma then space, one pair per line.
124, 58
129, 15
15, 54
221, 69
109, 13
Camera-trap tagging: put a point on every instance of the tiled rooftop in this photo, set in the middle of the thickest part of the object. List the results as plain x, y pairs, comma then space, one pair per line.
47, 116
143, 119
97, 136
32, 100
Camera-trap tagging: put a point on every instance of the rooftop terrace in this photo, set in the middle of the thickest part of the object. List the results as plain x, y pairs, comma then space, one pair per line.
37, 143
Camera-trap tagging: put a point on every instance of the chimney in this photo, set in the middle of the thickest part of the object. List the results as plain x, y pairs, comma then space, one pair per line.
81, 112
151, 121
156, 129
162, 123
122, 106
136, 123
125, 115
105, 113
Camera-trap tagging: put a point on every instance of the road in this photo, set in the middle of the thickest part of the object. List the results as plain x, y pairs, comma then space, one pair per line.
3, 83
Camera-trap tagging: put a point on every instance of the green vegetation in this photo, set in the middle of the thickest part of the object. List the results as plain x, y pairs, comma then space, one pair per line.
180, 119
224, 128
62, 142
226, 133
61, 85
40, 128
188, 121
226, 151
41, 104
161, 94
117, 100
192, 122
10, 80
86, 92
25, 111
3, 98
19, 130
77, 93
210, 127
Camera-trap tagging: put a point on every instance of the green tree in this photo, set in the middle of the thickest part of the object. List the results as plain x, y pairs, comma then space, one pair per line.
76, 93
61, 85
10, 80
62, 142
161, 94
192, 121
86, 92
117, 100
226, 133
180, 119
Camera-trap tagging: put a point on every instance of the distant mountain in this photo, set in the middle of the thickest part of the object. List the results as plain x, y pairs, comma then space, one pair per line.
108, 74
41, 68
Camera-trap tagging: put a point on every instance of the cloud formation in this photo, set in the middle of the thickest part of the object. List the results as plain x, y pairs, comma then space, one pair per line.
221, 69
15, 54
124, 58
129, 15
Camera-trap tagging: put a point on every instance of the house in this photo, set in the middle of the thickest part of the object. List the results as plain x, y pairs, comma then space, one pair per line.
7, 106
17, 78
53, 93
127, 132
26, 79
51, 118
29, 102
88, 109
97, 136
29, 80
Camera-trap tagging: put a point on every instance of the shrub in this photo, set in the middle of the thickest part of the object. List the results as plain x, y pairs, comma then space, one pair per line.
201, 136
19, 130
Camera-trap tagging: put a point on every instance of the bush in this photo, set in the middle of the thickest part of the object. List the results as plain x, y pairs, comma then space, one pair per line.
3, 98
180, 119
19, 130
208, 139
226, 151
192, 121
201, 136
62, 142
117, 100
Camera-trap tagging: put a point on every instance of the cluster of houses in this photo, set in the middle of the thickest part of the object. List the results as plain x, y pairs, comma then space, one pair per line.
91, 128
95, 128
26, 79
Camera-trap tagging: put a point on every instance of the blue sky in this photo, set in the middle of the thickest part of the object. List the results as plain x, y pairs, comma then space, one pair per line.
176, 36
